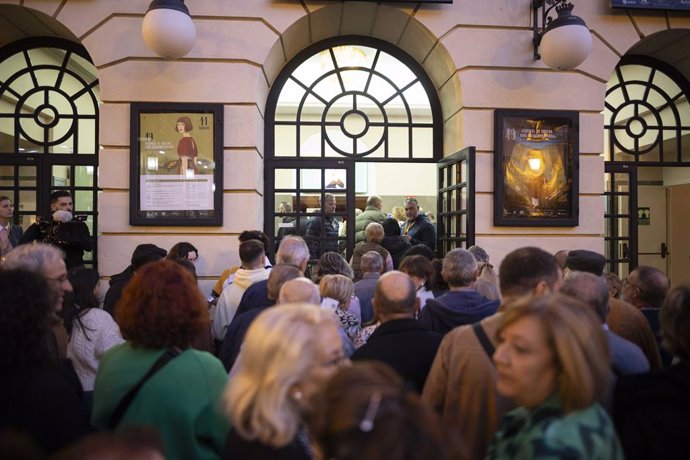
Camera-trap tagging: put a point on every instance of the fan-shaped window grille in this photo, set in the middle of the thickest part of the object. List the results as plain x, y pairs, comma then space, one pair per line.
356, 101
647, 115
49, 128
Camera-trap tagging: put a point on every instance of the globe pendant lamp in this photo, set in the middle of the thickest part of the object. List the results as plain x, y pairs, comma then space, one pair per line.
168, 28
564, 42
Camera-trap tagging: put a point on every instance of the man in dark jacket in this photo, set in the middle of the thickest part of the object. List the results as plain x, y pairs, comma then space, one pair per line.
62, 230
322, 230
143, 254
400, 341
461, 304
418, 229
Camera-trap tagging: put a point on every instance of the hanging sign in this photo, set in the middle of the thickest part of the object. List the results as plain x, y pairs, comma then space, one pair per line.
671, 5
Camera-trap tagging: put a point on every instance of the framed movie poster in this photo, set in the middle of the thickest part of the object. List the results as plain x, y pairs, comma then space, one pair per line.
535, 168
176, 164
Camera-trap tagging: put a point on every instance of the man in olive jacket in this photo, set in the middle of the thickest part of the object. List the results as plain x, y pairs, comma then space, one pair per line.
371, 214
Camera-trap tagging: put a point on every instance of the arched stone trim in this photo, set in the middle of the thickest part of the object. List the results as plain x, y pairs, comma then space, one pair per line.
393, 25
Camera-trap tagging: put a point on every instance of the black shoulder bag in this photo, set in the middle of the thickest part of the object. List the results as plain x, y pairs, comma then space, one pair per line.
488, 347
121, 408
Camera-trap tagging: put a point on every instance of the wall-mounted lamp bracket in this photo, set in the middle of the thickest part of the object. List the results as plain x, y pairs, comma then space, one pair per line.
540, 11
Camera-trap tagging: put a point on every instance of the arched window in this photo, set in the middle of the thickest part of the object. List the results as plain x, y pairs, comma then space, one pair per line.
647, 123
48, 127
340, 109
647, 114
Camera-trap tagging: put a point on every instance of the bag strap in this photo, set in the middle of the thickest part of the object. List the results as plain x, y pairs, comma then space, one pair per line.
125, 402
488, 347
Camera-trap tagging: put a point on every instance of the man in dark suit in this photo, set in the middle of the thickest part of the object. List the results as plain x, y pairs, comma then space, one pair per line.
400, 341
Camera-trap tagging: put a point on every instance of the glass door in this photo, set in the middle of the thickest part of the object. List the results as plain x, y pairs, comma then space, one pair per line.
456, 201
315, 200
620, 197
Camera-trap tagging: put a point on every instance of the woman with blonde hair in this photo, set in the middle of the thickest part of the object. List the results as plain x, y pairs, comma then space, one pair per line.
373, 235
487, 279
336, 292
288, 354
552, 360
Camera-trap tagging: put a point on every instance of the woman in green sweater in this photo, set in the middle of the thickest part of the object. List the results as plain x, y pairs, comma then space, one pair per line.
552, 360
162, 311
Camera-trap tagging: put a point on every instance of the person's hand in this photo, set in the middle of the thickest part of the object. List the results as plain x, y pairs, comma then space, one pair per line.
407, 237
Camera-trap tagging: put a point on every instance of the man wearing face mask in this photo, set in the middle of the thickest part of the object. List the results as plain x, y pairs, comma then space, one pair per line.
62, 229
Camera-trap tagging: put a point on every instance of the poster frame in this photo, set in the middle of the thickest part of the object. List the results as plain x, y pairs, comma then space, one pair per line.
175, 217
566, 215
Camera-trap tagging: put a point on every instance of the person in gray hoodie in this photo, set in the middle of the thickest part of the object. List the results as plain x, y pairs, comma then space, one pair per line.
461, 304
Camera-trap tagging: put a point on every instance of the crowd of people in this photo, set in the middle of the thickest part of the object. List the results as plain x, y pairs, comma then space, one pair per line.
412, 357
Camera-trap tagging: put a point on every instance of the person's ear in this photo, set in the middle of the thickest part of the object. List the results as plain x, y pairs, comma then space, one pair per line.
542, 288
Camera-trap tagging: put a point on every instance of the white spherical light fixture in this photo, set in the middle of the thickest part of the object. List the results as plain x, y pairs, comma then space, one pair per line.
168, 28
563, 43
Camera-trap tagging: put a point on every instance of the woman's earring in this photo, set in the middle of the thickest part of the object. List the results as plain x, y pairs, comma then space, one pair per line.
297, 395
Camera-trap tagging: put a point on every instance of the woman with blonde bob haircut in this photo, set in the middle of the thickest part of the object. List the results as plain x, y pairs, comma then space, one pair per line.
552, 360
340, 289
289, 353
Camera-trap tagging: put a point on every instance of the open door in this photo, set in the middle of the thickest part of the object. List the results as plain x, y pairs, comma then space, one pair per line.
456, 201
621, 224
651, 218
678, 230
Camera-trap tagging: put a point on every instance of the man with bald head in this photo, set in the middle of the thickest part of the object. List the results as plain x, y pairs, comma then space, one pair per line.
400, 341
371, 214
299, 290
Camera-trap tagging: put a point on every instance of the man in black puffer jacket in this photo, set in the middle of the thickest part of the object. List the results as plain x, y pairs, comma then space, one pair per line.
322, 229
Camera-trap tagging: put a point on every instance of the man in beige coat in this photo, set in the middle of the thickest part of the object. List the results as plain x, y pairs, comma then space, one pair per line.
462, 382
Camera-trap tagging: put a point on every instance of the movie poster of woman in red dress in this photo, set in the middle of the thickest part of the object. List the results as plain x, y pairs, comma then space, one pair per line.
186, 149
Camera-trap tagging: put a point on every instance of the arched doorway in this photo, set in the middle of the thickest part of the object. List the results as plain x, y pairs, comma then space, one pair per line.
339, 109
647, 126
49, 128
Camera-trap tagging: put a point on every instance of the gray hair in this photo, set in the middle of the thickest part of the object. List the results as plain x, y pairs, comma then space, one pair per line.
33, 257
374, 232
371, 262
459, 268
375, 201
590, 289
293, 250
479, 253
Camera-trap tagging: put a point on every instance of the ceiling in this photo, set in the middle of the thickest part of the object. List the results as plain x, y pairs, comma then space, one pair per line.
669, 46
17, 23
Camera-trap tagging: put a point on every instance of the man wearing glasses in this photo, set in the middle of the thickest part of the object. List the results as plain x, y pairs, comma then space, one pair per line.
47, 261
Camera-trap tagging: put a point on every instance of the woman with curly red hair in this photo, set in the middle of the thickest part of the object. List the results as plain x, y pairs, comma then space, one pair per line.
160, 314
